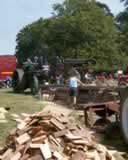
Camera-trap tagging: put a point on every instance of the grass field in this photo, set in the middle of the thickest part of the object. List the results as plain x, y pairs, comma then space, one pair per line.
18, 103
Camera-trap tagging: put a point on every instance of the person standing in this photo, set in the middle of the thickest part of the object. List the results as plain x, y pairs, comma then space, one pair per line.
73, 88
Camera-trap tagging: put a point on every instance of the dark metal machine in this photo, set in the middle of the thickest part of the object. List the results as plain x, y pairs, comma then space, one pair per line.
30, 76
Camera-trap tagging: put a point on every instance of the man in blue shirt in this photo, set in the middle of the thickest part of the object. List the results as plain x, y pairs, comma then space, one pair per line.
73, 85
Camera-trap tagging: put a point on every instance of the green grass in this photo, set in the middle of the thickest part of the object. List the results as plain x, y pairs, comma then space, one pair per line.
18, 103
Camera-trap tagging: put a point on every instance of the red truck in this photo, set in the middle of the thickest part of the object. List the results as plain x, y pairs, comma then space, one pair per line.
7, 66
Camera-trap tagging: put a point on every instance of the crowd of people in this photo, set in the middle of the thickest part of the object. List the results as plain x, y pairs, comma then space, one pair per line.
75, 79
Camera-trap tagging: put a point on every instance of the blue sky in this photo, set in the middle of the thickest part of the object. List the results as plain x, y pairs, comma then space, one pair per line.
15, 14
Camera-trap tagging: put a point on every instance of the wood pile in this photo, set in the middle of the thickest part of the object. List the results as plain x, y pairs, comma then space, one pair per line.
43, 136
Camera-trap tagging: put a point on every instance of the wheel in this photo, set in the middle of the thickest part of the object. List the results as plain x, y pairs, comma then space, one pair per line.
124, 114
17, 79
34, 85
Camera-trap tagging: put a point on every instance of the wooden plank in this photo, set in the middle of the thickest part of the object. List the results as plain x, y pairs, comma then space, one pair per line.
26, 129
40, 133
45, 149
71, 127
20, 148
23, 138
70, 136
93, 155
35, 145
114, 155
8, 153
57, 124
52, 139
39, 139
62, 119
43, 116
102, 156
13, 132
16, 156
22, 125
82, 142
60, 133
117, 156
57, 155
33, 122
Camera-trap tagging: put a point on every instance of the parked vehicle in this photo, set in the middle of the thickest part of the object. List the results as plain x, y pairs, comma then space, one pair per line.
30, 75
7, 66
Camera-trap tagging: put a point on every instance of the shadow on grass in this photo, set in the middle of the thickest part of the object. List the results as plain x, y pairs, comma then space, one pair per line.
116, 143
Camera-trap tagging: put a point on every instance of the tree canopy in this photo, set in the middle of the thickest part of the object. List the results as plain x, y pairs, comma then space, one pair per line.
125, 1
122, 23
77, 29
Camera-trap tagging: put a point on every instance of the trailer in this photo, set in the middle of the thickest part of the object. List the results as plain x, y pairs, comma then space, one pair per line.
7, 66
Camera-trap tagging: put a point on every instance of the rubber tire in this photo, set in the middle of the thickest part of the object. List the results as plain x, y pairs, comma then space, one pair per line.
18, 73
124, 111
34, 85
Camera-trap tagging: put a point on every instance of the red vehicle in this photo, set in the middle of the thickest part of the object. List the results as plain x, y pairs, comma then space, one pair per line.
7, 66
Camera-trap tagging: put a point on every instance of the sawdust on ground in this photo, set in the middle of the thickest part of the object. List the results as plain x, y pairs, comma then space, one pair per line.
56, 108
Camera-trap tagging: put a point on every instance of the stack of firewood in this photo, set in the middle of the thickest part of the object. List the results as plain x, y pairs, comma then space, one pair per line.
47, 136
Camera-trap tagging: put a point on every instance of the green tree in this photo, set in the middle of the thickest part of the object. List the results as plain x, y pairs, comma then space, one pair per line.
77, 29
122, 23
86, 30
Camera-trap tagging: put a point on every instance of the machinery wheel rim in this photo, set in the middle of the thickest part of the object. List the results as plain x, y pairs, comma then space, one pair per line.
125, 118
